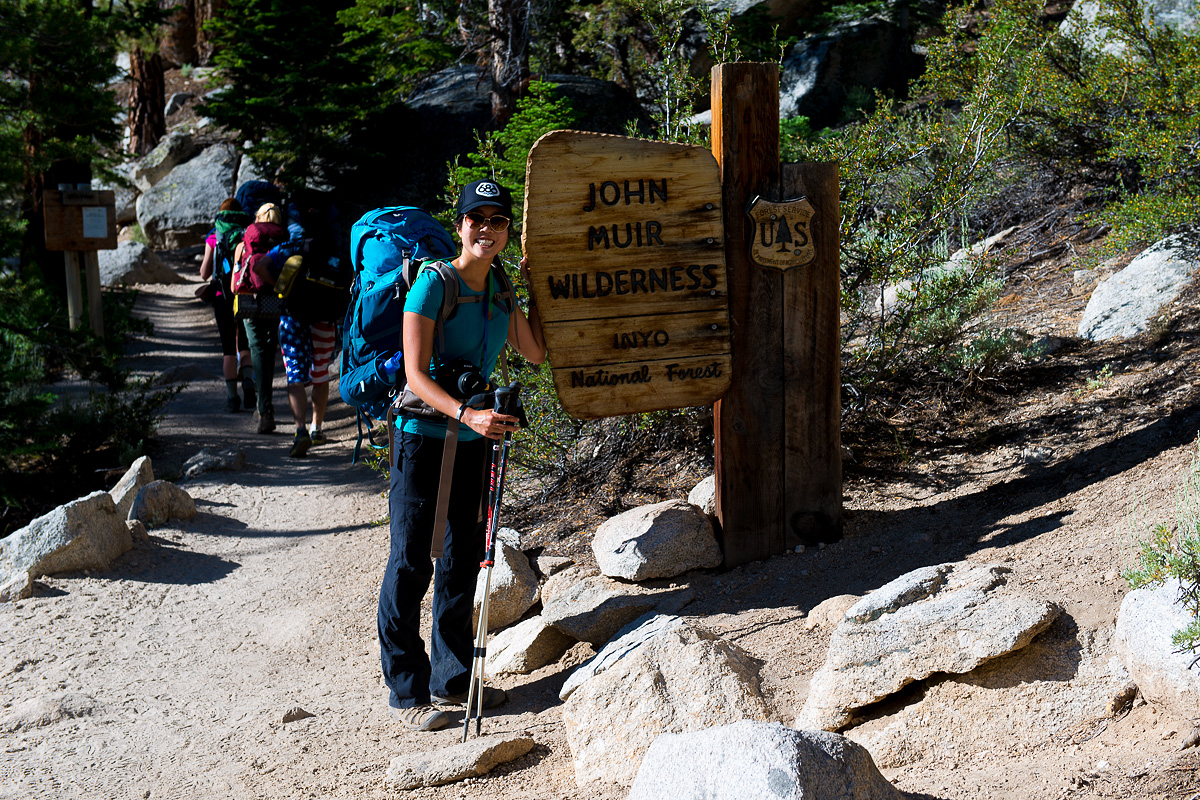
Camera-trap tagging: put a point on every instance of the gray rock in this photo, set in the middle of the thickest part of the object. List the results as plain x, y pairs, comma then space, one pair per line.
1178, 14
137, 530
233, 458
249, 170
871, 53
133, 262
84, 534
159, 501
16, 587
178, 211
591, 608
514, 587
759, 761
704, 495
439, 121
140, 473
683, 679
1123, 305
176, 102
830, 611
656, 541
295, 714
526, 646
39, 712
1145, 624
628, 639
125, 197
449, 764
545, 566
174, 149
944, 618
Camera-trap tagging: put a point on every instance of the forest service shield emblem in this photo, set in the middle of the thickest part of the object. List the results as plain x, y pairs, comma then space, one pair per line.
782, 238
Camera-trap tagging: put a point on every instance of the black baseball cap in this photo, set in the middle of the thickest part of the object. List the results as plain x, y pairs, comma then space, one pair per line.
485, 193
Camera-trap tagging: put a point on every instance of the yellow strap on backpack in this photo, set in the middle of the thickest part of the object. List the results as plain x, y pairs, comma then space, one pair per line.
287, 275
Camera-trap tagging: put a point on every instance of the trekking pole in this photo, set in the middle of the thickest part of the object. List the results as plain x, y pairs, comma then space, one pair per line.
508, 401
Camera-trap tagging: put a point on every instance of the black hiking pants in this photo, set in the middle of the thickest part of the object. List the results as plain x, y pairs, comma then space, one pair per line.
410, 675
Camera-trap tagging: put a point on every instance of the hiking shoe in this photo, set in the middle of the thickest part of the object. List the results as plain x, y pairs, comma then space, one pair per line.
266, 420
233, 404
422, 718
318, 437
300, 445
249, 396
492, 697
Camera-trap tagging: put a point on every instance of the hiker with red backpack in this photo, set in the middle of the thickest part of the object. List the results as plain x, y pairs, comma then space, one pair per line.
313, 277
251, 278
217, 268
439, 353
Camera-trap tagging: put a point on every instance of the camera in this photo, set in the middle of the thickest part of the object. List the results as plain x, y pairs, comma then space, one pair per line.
461, 379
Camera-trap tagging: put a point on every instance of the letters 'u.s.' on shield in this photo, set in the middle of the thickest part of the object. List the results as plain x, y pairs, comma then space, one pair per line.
782, 238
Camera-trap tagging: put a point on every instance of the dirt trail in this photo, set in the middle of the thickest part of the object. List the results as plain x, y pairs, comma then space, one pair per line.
169, 675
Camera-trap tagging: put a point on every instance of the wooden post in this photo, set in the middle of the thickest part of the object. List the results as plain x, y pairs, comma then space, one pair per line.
91, 271
778, 444
749, 420
74, 289
812, 367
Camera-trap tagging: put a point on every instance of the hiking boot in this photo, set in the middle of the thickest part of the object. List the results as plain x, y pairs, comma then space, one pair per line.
422, 718
265, 420
300, 445
233, 404
318, 437
492, 697
249, 396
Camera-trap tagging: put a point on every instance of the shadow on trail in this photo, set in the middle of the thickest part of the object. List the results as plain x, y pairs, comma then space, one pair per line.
965, 524
163, 562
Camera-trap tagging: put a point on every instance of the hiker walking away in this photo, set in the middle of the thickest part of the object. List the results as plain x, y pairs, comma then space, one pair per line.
217, 268
262, 333
307, 332
474, 334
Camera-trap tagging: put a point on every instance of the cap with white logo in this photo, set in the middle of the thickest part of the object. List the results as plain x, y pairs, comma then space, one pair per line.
485, 193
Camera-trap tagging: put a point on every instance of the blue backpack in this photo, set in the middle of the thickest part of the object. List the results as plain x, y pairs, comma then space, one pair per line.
390, 247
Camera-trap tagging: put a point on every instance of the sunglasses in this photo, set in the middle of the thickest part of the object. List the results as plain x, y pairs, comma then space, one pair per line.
496, 222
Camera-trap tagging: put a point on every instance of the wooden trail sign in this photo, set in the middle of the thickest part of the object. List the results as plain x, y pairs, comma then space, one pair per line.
626, 253
79, 222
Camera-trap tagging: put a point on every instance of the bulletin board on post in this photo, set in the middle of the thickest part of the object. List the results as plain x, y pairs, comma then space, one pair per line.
626, 254
80, 220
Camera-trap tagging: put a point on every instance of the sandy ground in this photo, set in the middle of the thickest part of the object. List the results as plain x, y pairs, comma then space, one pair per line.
169, 675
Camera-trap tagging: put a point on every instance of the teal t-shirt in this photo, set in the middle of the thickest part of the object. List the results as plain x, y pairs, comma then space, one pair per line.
477, 332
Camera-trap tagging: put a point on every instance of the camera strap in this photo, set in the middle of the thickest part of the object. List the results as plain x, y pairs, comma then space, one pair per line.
443, 499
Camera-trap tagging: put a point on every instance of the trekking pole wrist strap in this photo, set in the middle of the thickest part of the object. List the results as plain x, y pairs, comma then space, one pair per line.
462, 410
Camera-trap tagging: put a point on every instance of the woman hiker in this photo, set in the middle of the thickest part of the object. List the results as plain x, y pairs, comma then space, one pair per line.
216, 267
477, 332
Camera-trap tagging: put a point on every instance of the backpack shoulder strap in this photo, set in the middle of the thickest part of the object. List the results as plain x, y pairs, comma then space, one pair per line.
504, 295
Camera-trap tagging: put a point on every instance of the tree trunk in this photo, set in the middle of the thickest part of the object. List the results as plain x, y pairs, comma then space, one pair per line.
178, 41
203, 12
147, 102
509, 23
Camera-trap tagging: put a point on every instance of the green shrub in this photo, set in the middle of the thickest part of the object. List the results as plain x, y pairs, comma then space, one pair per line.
1173, 551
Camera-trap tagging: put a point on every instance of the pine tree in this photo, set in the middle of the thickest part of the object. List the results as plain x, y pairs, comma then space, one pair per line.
294, 89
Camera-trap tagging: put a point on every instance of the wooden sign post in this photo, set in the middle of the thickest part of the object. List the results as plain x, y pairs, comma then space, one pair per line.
627, 266
778, 428
79, 222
